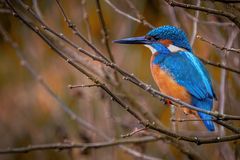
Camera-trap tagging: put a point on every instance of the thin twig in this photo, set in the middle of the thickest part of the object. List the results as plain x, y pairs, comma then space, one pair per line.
104, 29
82, 86
106, 38
173, 17
227, 1
228, 15
139, 15
85, 146
230, 24
36, 8
194, 32
86, 19
219, 65
129, 16
223, 82
77, 33
217, 46
136, 130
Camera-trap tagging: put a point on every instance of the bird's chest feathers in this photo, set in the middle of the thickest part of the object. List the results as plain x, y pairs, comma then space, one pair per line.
165, 81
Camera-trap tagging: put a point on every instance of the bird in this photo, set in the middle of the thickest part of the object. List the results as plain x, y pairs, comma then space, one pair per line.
177, 71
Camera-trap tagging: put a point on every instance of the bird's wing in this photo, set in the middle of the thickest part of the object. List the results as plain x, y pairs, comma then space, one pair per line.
188, 71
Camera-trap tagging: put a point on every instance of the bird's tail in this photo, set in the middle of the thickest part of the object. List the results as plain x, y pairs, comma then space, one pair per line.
206, 118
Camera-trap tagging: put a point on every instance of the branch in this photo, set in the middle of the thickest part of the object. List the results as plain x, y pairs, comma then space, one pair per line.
227, 1
136, 130
86, 19
36, 8
230, 24
144, 22
223, 81
77, 33
104, 28
106, 37
83, 86
195, 24
84, 146
219, 65
139, 15
217, 46
228, 15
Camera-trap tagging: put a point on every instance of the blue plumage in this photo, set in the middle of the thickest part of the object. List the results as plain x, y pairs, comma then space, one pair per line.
206, 104
189, 72
173, 55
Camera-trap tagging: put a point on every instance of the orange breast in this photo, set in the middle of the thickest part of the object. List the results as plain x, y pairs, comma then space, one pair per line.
168, 85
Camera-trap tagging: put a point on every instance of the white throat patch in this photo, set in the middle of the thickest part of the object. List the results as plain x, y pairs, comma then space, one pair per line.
153, 50
175, 49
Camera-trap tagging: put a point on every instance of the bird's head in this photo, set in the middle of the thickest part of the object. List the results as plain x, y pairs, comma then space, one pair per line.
171, 37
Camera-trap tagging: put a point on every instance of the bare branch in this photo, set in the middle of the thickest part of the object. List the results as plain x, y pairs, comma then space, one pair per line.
36, 8
105, 32
83, 86
227, 1
136, 130
228, 15
106, 37
139, 15
85, 146
144, 22
223, 84
76, 32
217, 46
86, 18
194, 32
230, 24
219, 65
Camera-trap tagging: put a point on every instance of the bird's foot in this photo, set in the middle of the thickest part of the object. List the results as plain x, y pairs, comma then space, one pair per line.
167, 102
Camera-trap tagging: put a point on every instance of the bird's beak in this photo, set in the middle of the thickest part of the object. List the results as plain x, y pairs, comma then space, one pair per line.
133, 40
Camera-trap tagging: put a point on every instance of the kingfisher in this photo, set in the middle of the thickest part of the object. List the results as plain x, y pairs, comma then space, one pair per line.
176, 70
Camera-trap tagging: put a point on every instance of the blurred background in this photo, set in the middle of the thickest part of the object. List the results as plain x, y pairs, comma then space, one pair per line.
31, 114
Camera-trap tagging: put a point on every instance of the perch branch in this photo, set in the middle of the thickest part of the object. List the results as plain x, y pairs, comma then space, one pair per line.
228, 15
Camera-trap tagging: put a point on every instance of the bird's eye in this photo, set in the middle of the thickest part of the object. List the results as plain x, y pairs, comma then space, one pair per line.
150, 38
